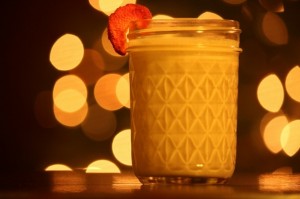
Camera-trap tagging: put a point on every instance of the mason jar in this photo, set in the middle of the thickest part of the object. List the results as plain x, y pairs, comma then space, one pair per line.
183, 88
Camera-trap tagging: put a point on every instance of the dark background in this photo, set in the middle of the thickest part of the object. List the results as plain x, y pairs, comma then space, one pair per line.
29, 29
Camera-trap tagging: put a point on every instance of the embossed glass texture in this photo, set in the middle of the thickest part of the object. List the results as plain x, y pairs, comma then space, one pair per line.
184, 106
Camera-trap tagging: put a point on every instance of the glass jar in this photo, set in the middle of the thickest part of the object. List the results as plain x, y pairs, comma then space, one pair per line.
184, 86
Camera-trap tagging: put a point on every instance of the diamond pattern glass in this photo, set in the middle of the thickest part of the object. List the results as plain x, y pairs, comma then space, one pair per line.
183, 113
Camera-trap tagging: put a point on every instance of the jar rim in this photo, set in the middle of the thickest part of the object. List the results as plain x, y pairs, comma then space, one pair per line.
183, 24
188, 33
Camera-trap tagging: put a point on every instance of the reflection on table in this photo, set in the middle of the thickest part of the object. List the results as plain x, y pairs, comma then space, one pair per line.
77, 184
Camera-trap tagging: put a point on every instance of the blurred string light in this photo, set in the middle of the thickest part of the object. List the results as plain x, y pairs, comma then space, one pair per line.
105, 6
105, 92
69, 93
112, 61
272, 5
123, 90
67, 52
292, 83
95, 4
209, 15
270, 93
290, 138
99, 124
271, 128
91, 68
277, 131
107, 44
121, 147
108, 6
102, 166
71, 119
58, 167
273, 29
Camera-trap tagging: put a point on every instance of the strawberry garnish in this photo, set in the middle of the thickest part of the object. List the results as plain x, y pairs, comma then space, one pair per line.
118, 24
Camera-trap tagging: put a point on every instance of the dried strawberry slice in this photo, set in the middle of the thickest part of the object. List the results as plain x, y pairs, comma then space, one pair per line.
118, 23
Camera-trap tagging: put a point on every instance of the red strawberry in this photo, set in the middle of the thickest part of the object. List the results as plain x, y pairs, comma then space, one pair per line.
118, 24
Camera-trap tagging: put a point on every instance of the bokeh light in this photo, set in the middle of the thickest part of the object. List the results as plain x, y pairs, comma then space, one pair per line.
91, 68
109, 6
272, 126
123, 90
292, 83
121, 147
128, 2
95, 4
102, 166
105, 92
71, 119
99, 124
58, 167
270, 93
105, 6
209, 15
107, 44
112, 60
272, 5
273, 29
69, 93
290, 138
67, 52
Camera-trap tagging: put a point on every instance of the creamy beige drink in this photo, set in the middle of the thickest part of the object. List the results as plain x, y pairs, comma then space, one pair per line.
184, 103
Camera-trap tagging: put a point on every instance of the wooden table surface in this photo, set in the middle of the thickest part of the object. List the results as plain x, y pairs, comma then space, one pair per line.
78, 184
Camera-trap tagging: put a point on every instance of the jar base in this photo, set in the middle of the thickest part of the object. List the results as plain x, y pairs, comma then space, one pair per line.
181, 180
